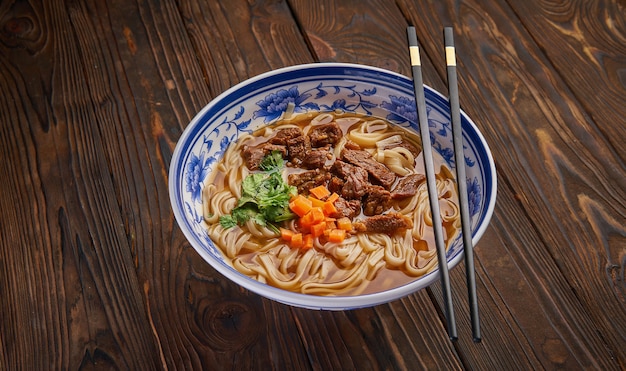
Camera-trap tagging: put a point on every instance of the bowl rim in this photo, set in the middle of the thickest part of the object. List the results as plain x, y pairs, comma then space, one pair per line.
344, 302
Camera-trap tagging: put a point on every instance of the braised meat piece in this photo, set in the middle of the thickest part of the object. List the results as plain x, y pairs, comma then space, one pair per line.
343, 169
335, 185
325, 134
376, 201
407, 186
378, 171
298, 144
298, 149
356, 185
316, 158
390, 224
253, 155
308, 179
345, 208
354, 178
283, 135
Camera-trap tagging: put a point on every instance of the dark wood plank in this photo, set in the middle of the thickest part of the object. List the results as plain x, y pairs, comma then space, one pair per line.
369, 32
201, 319
595, 72
235, 40
375, 338
131, 81
564, 173
592, 63
72, 295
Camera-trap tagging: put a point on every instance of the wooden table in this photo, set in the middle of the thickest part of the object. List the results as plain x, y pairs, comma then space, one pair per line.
96, 274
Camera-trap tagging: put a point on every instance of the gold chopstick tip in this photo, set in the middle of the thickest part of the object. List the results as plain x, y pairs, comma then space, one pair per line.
415, 56
450, 56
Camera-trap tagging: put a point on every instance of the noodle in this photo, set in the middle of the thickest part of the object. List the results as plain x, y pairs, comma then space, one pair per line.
364, 262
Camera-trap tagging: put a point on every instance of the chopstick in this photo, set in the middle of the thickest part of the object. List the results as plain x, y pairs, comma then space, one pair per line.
459, 158
429, 166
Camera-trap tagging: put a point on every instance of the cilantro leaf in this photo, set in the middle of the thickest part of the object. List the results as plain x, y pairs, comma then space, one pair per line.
273, 161
252, 185
264, 198
227, 221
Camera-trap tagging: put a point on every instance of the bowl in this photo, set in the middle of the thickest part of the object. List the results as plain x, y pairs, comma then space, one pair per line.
261, 100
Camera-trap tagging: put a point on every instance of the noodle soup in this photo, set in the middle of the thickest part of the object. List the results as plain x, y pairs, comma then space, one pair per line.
372, 171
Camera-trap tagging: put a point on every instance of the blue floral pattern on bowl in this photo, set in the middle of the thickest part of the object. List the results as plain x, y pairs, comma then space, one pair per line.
319, 87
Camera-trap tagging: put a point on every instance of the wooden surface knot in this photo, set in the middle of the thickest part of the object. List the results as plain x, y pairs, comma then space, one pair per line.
19, 25
230, 325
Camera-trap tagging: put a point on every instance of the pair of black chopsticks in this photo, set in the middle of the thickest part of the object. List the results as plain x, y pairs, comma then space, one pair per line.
457, 135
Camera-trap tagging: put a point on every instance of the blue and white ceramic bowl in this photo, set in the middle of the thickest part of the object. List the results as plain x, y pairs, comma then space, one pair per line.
261, 100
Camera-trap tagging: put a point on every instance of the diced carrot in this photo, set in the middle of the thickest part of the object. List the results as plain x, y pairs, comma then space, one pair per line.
337, 235
314, 216
300, 205
344, 223
329, 208
318, 229
332, 198
316, 202
286, 234
308, 242
317, 215
297, 240
321, 192
306, 221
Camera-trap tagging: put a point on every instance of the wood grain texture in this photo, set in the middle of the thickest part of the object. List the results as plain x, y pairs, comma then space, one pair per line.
86, 306
353, 31
565, 159
594, 53
95, 273
236, 40
199, 318
595, 76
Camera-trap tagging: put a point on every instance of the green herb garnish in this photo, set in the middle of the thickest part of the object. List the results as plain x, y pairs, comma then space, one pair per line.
272, 162
264, 197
